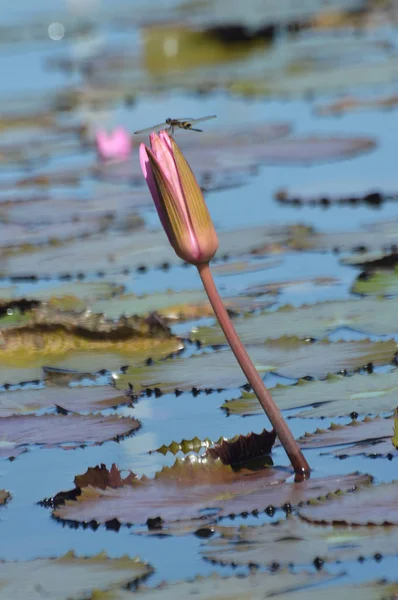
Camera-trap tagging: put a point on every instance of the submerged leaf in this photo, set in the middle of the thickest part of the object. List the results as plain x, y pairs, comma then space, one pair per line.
191, 489
69, 577
380, 282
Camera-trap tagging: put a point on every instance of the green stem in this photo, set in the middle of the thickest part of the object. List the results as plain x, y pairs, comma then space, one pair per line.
299, 463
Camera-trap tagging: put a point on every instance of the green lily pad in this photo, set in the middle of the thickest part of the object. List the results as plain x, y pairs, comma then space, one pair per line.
255, 586
375, 505
69, 577
191, 489
369, 315
290, 358
380, 282
334, 397
294, 542
53, 430
77, 399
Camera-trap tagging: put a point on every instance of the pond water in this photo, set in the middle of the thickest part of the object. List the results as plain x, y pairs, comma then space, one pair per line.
80, 237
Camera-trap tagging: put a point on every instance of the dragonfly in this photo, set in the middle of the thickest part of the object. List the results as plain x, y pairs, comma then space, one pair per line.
171, 124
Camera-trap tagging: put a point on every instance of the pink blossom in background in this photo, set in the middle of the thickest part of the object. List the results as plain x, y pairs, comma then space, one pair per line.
116, 145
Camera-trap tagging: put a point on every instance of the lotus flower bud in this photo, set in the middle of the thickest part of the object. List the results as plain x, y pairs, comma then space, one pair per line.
178, 199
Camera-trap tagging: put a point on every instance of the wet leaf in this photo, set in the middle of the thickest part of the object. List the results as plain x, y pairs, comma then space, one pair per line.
373, 590
191, 489
336, 396
370, 315
53, 430
353, 433
255, 586
290, 358
4, 496
375, 505
371, 198
293, 542
380, 282
69, 577
243, 448
113, 253
375, 237
76, 399
172, 305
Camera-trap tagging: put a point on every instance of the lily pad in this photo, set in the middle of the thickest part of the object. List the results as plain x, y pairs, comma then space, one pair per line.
293, 542
69, 577
337, 396
370, 315
374, 238
191, 489
373, 590
110, 252
255, 586
353, 433
190, 304
77, 399
379, 282
371, 198
53, 430
48, 336
375, 505
290, 358
353, 104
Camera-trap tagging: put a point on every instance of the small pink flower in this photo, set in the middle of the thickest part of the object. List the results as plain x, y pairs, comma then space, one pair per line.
116, 145
178, 199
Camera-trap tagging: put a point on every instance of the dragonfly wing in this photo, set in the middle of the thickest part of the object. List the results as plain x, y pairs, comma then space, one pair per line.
194, 121
153, 128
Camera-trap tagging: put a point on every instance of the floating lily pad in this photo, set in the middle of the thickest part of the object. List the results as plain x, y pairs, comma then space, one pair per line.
376, 237
53, 430
373, 590
371, 198
48, 336
380, 282
191, 489
4, 496
110, 252
294, 542
69, 577
337, 396
77, 399
353, 433
371, 316
191, 304
353, 104
289, 358
375, 505
255, 586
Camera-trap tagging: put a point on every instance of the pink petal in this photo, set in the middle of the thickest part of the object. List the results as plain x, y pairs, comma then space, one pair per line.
149, 178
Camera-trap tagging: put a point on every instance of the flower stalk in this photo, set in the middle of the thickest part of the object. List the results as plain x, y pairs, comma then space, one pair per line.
187, 223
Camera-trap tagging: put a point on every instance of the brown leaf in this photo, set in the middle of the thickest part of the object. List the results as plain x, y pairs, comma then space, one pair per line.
243, 449
101, 478
375, 505
191, 489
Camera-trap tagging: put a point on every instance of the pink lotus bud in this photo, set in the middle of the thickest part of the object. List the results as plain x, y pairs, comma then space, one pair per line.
178, 199
114, 146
